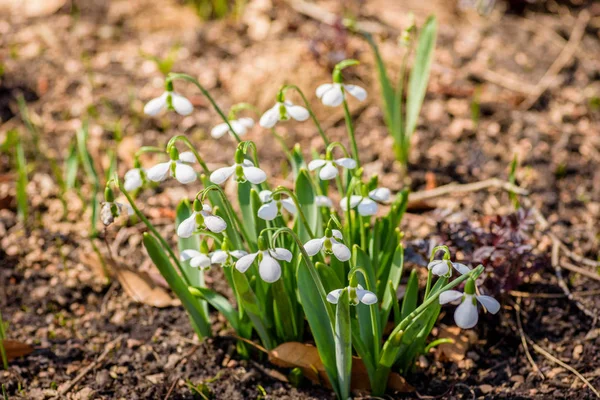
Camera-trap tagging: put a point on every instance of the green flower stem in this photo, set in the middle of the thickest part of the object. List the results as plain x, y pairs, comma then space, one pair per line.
292, 195
350, 128
310, 111
428, 285
373, 310
152, 229
228, 210
192, 149
174, 76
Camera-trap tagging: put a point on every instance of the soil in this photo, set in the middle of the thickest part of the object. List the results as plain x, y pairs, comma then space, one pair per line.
85, 61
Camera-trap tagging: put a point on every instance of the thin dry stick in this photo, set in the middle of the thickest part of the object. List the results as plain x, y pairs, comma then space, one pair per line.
69, 385
524, 341
563, 58
172, 387
464, 188
507, 81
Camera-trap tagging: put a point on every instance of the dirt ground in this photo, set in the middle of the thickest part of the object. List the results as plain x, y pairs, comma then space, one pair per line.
88, 60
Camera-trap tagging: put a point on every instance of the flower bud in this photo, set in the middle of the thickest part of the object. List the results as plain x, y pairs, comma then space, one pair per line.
203, 247
470, 286
174, 153
239, 156
109, 195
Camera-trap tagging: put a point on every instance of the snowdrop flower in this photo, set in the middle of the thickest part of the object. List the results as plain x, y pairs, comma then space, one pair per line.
442, 267
268, 266
282, 111
197, 259
366, 204
112, 209
225, 257
466, 314
134, 179
323, 201
333, 94
201, 217
240, 127
328, 167
356, 295
169, 100
271, 207
244, 170
177, 167
329, 244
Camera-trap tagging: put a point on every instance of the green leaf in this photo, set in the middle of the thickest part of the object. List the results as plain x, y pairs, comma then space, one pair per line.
285, 323
419, 76
306, 198
393, 279
200, 321
343, 344
221, 304
297, 160
248, 214
328, 277
21, 164
363, 311
387, 91
409, 303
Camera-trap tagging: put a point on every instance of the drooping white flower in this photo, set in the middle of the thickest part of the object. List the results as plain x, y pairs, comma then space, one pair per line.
356, 295
282, 111
240, 127
332, 94
133, 179
367, 205
330, 245
328, 169
323, 201
268, 266
466, 314
112, 209
271, 208
177, 168
244, 171
201, 217
196, 259
180, 104
442, 267
225, 257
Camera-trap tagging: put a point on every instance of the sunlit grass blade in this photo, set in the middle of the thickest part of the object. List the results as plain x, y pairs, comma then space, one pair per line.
306, 198
343, 344
409, 303
393, 280
22, 180
248, 214
90, 170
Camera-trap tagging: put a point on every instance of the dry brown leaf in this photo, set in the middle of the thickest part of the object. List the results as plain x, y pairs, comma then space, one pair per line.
463, 339
15, 349
306, 357
141, 288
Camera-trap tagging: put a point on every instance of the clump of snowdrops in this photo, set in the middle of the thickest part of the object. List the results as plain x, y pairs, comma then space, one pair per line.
290, 253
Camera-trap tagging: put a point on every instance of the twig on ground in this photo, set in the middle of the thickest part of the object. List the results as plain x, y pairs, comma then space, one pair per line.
465, 188
524, 341
69, 385
172, 387
563, 58
506, 81
583, 293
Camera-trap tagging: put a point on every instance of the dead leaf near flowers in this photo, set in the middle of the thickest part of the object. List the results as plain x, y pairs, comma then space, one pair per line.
306, 357
30, 8
463, 340
138, 285
15, 349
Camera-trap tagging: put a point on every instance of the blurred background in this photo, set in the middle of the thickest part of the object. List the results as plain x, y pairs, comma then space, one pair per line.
510, 80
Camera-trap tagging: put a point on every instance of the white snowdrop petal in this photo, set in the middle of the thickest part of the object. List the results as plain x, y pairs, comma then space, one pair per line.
238, 253
340, 251
337, 234
441, 268
354, 200
333, 97
449, 296
201, 261
367, 207
181, 105
461, 268
188, 157
281, 254
156, 105
238, 128
246, 122
329, 171
255, 175
380, 194
313, 246
184, 173
299, 113
366, 297
133, 180
206, 208
269, 269
218, 257
187, 227
159, 172
270, 117
466, 315
356, 91
215, 223
322, 89
289, 205
346, 162
265, 196
189, 254
334, 296
490, 303
219, 130
314, 164
268, 211
220, 175
245, 262
323, 201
